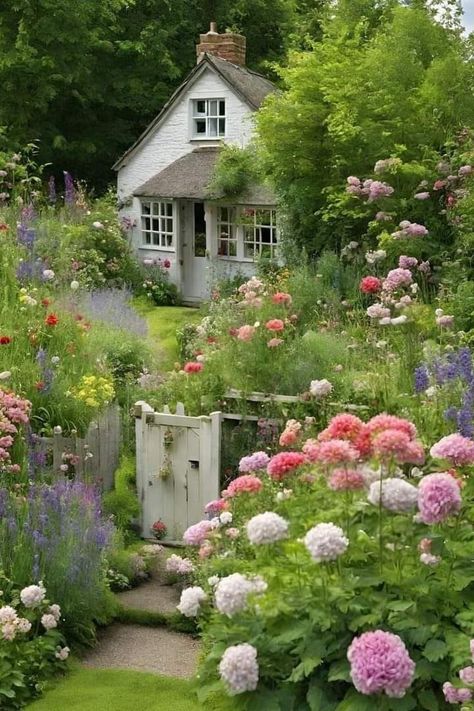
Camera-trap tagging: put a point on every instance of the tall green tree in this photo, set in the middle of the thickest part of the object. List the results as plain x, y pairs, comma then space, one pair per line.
387, 79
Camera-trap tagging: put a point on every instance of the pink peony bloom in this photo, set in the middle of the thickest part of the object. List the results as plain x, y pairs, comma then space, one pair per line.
193, 367
438, 498
284, 463
342, 426
275, 324
245, 484
378, 311
370, 285
288, 438
254, 462
346, 480
467, 675
332, 452
457, 449
195, 535
282, 298
397, 278
274, 342
407, 262
445, 321
390, 422
454, 695
390, 444
380, 663
245, 333
214, 508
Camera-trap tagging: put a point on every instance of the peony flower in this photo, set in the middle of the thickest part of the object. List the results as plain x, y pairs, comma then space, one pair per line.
275, 342
390, 422
455, 448
429, 559
380, 663
62, 653
284, 463
214, 508
282, 298
346, 480
232, 533
232, 592
245, 333
438, 497
422, 196
331, 452
245, 484
397, 278
342, 426
193, 367
179, 566
320, 388
23, 625
467, 675
267, 527
49, 622
254, 462
190, 602
225, 518
33, 595
195, 535
378, 311
454, 695
390, 443
8, 615
407, 262
325, 542
238, 668
275, 324
397, 494
370, 285
48, 274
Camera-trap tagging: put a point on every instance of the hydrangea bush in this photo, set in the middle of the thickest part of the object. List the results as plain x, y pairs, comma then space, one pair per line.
346, 597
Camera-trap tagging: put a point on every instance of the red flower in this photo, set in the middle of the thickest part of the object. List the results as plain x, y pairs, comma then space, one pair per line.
370, 285
212, 339
275, 324
40, 385
3, 227
233, 331
193, 367
45, 302
5, 340
166, 263
51, 320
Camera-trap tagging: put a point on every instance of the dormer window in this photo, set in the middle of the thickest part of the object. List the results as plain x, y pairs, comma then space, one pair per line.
208, 118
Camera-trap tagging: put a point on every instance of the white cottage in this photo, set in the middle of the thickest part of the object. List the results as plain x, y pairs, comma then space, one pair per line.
163, 178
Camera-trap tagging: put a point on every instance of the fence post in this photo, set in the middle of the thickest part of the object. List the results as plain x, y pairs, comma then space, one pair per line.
141, 428
210, 446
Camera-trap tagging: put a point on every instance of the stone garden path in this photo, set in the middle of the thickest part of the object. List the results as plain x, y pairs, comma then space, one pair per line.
143, 648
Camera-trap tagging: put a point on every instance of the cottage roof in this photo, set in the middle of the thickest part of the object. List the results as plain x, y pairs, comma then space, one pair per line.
250, 86
189, 177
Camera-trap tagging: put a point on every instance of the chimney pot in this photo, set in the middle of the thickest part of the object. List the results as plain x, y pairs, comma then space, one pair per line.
213, 28
228, 45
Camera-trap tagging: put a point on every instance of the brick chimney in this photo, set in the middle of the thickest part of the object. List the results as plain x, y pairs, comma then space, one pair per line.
229, 46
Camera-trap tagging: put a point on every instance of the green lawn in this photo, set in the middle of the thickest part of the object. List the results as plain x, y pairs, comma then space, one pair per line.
117, 690
163, 321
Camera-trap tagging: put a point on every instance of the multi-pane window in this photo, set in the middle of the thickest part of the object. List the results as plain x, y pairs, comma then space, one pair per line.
208, 118
260, 233
226, 232
157, 223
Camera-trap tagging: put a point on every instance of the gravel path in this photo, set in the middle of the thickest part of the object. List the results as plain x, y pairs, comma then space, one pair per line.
153, 596
151, 649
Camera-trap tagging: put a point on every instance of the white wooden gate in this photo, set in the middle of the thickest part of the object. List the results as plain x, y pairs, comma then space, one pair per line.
178, 467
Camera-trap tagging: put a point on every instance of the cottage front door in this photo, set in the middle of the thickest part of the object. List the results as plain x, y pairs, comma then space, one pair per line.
195, 266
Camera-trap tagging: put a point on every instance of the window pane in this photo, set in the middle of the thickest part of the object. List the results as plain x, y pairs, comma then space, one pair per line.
263, 217
212, 127
169, 240
200, 106
221, 127
169, 225
147, 238
169, 209
223, 214
266, 235
232, 248
213, 108
155, 224
221, 108
156, 239
200, 126
155, 208
145, 208
249, 251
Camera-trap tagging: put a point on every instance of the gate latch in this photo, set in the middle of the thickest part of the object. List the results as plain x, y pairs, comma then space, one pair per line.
194, 463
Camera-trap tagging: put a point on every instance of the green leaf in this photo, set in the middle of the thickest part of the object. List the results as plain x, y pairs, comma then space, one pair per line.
400, 605
339, 671
358, 702
406, 704
428, 700
435, 650
318, 699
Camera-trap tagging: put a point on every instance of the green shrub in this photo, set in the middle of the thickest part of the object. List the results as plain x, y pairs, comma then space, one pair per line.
122, 502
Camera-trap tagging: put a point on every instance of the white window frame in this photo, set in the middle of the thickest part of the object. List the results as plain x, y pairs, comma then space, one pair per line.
227, 232
155, 224
239, 225
208, 116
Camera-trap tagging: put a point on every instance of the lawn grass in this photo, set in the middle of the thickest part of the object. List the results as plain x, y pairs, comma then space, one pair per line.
121, 690
163, 321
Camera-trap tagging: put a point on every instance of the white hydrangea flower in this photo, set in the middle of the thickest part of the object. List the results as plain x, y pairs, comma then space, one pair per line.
8, 615
23, 625
397, 495
225, 517
284, 495
33, 595
178, 565
62, 653
429, 559
9, 631
48, 274
55, 611
213, 580
325, 542
190, 602
238, 668
320, 388
232, 591
267, 527
49, 622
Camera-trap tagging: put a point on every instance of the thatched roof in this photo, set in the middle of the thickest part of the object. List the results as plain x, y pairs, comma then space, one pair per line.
250, 86
189, 177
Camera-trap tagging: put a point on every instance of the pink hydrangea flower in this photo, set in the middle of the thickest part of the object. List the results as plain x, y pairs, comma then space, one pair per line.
288, 438
275, 324
407, 262
454, 695
245, 484
284, 463
195, 535
390, 444
438, 497
390, 422
346, 480
245, 333
214, 508
380, 663
397, 278
378, 311
331, 452
467, 675
457, 449
282, 297
254, 462
342, 426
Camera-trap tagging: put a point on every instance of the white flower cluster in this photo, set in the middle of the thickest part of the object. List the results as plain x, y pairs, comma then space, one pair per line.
266, 527
320, 388
62, 653
179, 566
190, 602
397, 495
429, 559
225, 518
238, 668
232, 592
33, 595
11, 624
325, 542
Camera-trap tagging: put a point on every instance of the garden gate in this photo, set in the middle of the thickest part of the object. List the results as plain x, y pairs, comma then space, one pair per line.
178, 466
